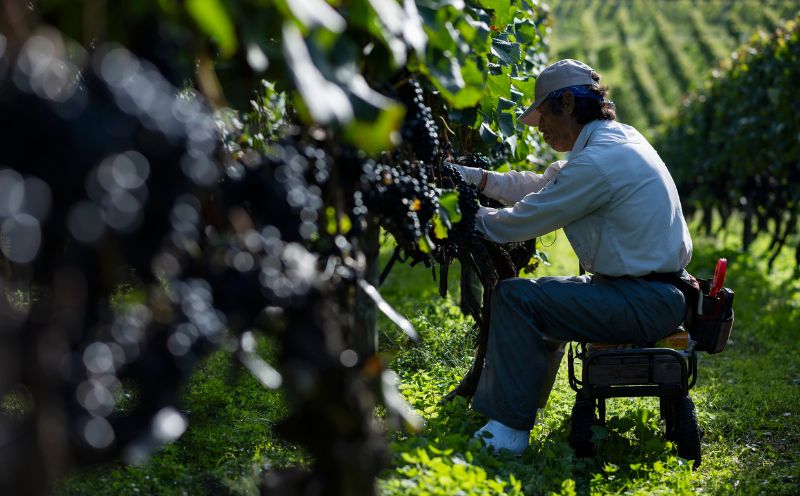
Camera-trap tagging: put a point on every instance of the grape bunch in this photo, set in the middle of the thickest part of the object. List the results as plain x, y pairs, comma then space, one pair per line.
500, 153
475, 160
265, 216
419, 129
461, 234
283, 187
480, 161
402, 200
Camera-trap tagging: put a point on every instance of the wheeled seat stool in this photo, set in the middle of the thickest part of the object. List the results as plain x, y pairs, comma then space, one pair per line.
667, 370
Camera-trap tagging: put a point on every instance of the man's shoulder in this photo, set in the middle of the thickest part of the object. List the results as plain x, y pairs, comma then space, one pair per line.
612, 132
614, 142
586, 166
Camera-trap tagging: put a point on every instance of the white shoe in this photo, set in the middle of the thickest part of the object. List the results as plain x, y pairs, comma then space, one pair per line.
500, 436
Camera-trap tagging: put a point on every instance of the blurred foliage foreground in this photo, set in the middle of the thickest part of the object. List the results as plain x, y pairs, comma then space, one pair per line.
143, 224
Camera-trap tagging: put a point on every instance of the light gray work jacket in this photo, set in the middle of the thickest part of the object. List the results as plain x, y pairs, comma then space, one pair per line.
614, 198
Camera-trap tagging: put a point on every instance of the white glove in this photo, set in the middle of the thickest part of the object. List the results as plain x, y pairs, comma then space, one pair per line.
471, 175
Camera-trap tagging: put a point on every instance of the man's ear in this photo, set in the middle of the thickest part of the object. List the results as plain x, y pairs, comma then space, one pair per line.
568, 102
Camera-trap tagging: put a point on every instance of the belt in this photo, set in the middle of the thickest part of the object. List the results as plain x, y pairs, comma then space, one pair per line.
681, 279
677, 278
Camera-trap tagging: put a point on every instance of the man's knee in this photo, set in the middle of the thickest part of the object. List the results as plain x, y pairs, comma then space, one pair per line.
511, 289
515, 303
517, 291
503, 288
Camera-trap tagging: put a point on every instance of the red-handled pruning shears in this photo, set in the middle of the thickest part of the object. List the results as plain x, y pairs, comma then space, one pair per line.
719, 277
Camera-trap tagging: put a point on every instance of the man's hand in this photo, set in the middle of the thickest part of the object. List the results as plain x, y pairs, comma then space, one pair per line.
472, 175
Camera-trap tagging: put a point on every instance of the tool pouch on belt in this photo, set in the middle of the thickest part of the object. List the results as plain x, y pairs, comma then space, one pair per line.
709, 319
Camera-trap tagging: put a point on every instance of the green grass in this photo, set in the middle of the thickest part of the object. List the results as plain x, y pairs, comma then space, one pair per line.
746, 399
228, 443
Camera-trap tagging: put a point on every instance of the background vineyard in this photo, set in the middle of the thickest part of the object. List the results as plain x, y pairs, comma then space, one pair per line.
653, 52
708, 82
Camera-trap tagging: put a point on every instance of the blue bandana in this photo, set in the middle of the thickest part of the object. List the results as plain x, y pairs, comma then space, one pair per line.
582, 91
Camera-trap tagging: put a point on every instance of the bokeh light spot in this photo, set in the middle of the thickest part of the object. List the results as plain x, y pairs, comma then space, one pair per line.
98, 433
168, 424
22, 237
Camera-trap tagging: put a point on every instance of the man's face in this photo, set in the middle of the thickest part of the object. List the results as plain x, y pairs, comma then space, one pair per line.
558, 130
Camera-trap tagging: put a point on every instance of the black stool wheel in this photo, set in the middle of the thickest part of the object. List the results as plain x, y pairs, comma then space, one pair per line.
687, 432
582, 421
668, 416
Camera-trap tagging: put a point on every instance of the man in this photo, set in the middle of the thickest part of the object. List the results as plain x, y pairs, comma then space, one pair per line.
620, 210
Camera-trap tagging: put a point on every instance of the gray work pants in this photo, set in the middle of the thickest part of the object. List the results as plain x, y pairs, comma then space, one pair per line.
531, 318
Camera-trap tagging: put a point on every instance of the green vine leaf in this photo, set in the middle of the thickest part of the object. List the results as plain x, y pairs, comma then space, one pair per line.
503, 12
325, 101
524, 85
312, 14
487, 135
213, 19
446, 74
448, 207
499, 86
507, 123
376, 135
507, 53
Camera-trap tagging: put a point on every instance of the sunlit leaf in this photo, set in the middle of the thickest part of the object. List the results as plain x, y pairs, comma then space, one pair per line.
448, 206
413, 32
502, 10
525, 32
326, 101
467, 30
507, 123
425, 244
213, 19
499, 86
387, 310
507, 53
345, 224
441, 223
378, 135
331, 223
315, 13
396, 405
447, 73
479, 34
511, 142
462, 86
504, 104
392, 17
443, 36
487, 135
